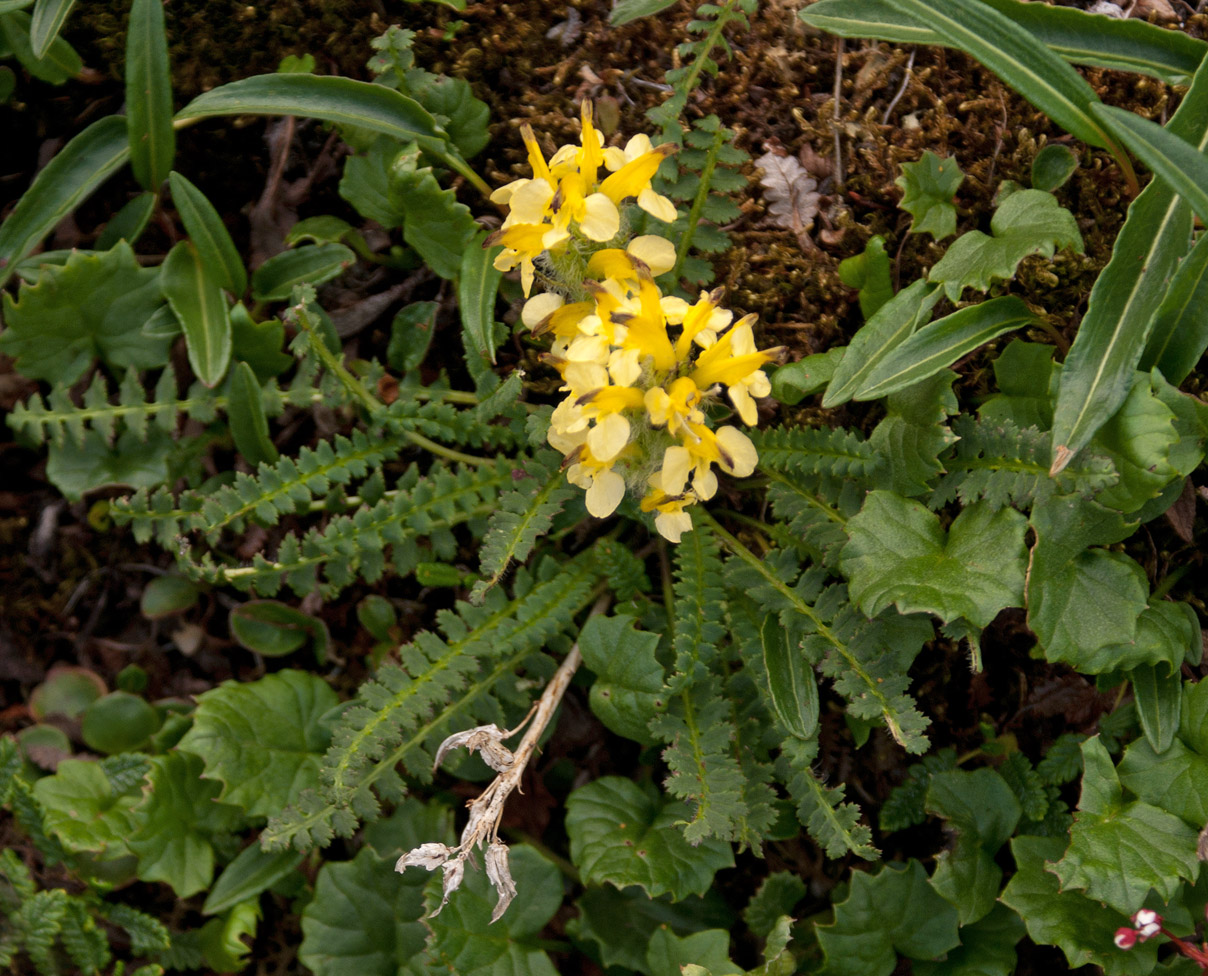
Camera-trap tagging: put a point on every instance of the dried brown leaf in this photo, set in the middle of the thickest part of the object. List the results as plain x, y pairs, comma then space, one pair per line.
791, 192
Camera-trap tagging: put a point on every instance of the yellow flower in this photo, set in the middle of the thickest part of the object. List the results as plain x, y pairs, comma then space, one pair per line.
675, 406
671, 520
734, 362
605, 487
656, 253
633, 167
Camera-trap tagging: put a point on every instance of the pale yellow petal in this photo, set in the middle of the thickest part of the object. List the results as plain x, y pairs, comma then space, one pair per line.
657, 205
614, 158
605, 493
623, 367
530, 202
504, 193
672, 525
637, 146
658, 405
608, 437
704, 482
582, 377
539, 307
676, 464
674, 309
601, 219
741, 451
658, 253
741, 398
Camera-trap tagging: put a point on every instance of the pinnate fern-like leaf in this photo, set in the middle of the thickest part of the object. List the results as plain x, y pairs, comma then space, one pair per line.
832, 822
814, 450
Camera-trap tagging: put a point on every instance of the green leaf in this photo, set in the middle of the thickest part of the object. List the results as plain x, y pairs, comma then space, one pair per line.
889, 327
60, 62
914, 435
314, 264
628, 689
1179, 334
1008, 50
77, 169
667, 954
1027, 378
928, 189
440, 229
259, 344
1128, 296
465, 118
166, 595
777, 896
214, 246
894, 911
198, 303
793, 382
1175, 781
411, 334
1052, 166
252, 872
626, 10
1081, 601
1083, 929
465, 941
92, 306
84, 809
898, 553
222, 939
262, 740
791, 680
869, 272
987, 948
983, 810
47, 20
176, 823
623, 834
1078, 36
1158, 693
1165, 632
149, 95
1193, 723
938, 345
118, 722
1118, 850
78, 468
477, 285
128, 223
1027, 222
274, 629
249, 423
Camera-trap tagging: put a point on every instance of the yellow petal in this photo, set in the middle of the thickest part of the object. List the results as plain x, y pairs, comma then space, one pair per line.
632, 178
539, 307
624, 368
530, 203
608, 438
611, 262
504, 193
741, 398
742, 454
704, 482
672, 525
676, 464
658, 405
605, 493
658, 253
657, 205
601, 219
535, 157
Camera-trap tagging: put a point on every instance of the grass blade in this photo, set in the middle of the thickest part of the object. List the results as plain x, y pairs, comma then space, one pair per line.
48, 19
1180, 328
1098, 371
79, 168
149, 95
60, 61
207, 231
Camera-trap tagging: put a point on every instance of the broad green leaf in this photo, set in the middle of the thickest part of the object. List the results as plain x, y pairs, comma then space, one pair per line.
59, 62
605, 911
777, 896
1052, 166
1165, 632
1118, 850
898, 553
332, 99
76, 469
1158, 692
1080, 927
119, 722
889, 327
92, 306
166, 595
9, 5
314, 264
1027, 380
1175, 781
209, 235
177, 819
198, 303
440, 229
928, 188
1179, 334
628, 690
465, 942
252, 872
793, 382
868, 271
128, 223
477, 285
1128, 296
225, 942
249, 423
895, 911
411, 334
149, 95
1193, 723
47, 20
626, 10
463, 117
1084, 38
365, 182
364, 919
1081, 601
941, 343
84, 810
275, 629
987, 948
1027, 222
909, 442
262, 740
667, 953
623, 834
983, 810
791, 680
1142, 440
259, 344
69, 178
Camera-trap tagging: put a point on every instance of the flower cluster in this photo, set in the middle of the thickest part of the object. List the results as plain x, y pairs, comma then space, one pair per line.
1147, 923
639, 368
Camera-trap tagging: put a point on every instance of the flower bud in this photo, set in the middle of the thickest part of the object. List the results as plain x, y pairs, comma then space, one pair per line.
1125, 938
